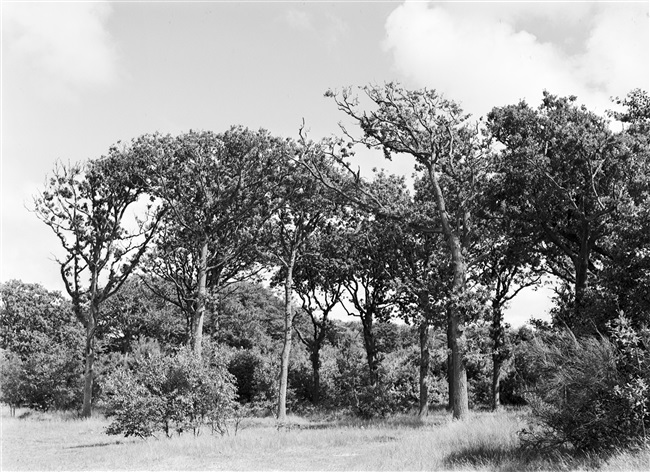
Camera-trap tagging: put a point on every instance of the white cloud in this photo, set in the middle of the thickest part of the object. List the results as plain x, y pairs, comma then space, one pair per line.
299, 20
617, 57
59, 47
327, 27
488, 54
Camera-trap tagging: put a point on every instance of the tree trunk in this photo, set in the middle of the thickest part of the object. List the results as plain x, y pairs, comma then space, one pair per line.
496, 381
199, 315
425, 357
450, 371
370, 346
286, 348
498, 342
460, 400
89, 351
315, 364
582, 274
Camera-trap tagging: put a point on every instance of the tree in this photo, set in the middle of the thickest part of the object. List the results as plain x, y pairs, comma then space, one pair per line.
87, 207
248, 316
318, 283
623, 282
219, 190
422, 281
563, 173
367, 281
304, 209
509, 266
447, 148
28, 312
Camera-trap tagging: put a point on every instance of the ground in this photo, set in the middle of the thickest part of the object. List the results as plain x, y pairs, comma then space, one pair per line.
487, 441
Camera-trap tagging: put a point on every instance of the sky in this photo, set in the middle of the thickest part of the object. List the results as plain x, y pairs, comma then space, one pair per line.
78, 77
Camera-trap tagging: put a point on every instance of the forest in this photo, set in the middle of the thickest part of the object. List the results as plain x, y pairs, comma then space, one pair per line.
212, 277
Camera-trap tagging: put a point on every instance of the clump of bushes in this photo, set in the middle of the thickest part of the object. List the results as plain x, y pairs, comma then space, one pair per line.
41, 349
255, 376
49, 378
592, 393
169, 392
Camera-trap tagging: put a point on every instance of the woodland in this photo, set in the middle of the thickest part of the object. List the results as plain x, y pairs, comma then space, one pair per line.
212, 277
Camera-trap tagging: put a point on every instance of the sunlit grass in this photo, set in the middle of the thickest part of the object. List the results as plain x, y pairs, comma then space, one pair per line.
487, 441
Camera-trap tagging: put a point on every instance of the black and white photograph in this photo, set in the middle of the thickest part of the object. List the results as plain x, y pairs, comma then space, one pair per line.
325, 235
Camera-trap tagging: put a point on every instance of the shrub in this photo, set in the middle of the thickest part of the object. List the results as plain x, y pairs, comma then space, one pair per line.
42, 360
396, 389
50, 378
592, 393
176, 392
11, 385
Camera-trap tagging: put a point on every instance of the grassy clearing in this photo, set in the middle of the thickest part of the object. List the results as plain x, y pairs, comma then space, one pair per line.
485, 442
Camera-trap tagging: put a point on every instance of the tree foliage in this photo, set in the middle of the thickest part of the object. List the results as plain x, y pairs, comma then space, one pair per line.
40, 340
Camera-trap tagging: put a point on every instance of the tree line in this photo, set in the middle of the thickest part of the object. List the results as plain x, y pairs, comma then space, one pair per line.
496, 205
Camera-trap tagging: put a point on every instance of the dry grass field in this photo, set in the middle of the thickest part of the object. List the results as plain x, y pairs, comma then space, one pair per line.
38, 441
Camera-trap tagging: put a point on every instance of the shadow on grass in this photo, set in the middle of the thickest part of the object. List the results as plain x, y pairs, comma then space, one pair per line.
101, 444
368, 424
516, 459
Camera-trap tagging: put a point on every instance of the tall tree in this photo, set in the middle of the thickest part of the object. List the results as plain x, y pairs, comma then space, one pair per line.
446, 146
318, 283
88, 207
563, 172
219, 189
624, 280
304, 208
421, 280
509, 266
365, 250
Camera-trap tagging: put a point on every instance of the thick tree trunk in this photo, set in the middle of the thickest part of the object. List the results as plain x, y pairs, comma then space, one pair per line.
425, 358
286, 348
460, 399
370, 346
199, 315
89, 351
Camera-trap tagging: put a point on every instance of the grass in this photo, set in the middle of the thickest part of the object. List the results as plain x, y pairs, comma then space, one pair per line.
487, 441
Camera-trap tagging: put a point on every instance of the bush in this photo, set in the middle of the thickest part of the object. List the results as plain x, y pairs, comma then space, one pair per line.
396, 389
592, 393
51, 378
42, 363
255, 377
176, 392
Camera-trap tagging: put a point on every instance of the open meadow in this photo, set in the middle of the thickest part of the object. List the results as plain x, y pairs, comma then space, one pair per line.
42, 441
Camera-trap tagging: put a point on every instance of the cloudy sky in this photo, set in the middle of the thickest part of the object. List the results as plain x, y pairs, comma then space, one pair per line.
78, 77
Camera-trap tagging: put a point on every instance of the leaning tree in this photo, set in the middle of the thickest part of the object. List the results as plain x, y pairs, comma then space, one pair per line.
449, 150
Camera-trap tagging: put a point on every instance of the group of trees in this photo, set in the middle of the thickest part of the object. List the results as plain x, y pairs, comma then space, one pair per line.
495, 205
